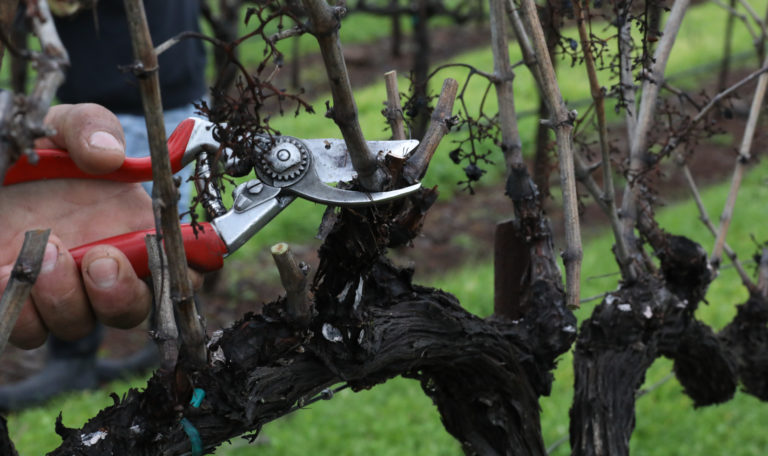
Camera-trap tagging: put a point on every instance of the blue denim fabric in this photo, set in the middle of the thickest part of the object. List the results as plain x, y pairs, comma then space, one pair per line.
137, 145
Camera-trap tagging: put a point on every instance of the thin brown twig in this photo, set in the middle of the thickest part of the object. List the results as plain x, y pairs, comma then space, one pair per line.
174, 40
291, 32
165, 193
562, 122
704, 217
598, 95
508, 301
324, 24
725, 62
23, 120
294, 279
652, 83
744, 154
639, 141
229, 49
754, 15
51, 75
23, 276
394, 110
674, 141
529, 56
741, 16
681, 94
584, 175
439, 126
541, 164
166, 333
627, 85
57, 60
741, 163
511, 145
471, 69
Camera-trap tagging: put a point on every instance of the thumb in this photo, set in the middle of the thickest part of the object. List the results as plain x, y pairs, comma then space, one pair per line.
90, 133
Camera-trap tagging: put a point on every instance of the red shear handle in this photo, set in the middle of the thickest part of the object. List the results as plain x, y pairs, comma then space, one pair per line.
205, 252
56, 163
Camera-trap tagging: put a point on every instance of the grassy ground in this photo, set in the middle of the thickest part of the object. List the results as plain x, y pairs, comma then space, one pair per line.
396, 418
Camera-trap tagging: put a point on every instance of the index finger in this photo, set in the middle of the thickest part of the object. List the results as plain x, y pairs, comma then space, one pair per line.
91, 134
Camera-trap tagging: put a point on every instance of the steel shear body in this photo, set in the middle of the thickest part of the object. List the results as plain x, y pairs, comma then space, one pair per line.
286, 168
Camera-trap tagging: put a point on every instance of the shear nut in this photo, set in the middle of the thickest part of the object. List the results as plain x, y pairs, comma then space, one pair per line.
286, 160
283, 157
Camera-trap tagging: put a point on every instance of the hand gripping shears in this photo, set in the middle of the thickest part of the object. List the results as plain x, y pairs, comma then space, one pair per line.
286, 168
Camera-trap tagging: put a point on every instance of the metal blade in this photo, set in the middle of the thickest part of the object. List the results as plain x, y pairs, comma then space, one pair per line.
330, 156
333, 164
310, 188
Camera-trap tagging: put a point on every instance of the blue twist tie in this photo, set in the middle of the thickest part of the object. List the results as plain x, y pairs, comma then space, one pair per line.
194, 437
197, 397
198, 394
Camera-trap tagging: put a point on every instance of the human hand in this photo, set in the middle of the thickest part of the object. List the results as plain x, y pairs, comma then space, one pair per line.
65, 301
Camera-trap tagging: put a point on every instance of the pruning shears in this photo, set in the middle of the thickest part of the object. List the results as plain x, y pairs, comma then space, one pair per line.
286, 168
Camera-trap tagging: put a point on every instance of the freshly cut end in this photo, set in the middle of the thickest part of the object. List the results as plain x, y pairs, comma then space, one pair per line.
279, 248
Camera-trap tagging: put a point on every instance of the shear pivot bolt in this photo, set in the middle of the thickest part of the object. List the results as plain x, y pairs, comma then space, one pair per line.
286, 161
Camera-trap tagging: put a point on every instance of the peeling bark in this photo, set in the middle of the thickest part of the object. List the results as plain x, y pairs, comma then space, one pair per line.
464, 363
